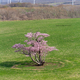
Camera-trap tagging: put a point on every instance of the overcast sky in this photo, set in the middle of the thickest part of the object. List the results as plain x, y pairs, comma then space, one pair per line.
40, 0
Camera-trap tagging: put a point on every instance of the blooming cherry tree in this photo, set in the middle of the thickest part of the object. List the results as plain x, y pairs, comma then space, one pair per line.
38, 48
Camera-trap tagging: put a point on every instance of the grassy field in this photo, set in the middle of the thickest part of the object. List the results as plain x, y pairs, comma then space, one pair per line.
63, 64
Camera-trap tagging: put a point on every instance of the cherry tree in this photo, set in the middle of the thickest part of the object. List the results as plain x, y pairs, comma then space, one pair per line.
38, 48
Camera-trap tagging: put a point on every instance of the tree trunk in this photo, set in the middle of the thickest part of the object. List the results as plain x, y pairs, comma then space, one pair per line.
41, 64
40, 60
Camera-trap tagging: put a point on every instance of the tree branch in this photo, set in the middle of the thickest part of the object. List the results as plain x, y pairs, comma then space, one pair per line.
34, 60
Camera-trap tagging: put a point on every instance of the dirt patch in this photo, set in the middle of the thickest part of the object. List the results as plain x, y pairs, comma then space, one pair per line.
33, 66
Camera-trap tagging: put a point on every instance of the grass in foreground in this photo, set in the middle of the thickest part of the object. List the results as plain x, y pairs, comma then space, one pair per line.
60, 65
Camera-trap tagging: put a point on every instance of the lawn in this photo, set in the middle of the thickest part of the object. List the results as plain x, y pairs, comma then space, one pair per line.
63, 64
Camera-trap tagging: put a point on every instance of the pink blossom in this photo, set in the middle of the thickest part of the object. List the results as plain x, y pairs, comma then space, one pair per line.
37, 34
34, 49
29, 35
40, 39
42, 34
18, 46
45, 35
30, 42
27, 48
44, 42
51, 48
26, 41
36, 44
33, 54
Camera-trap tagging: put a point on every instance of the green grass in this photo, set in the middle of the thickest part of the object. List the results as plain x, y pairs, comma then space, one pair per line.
63, 64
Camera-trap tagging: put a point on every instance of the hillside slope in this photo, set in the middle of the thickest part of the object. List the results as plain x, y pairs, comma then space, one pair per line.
63, 64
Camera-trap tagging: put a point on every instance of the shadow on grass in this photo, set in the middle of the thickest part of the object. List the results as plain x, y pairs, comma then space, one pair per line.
13, 63
31, 65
